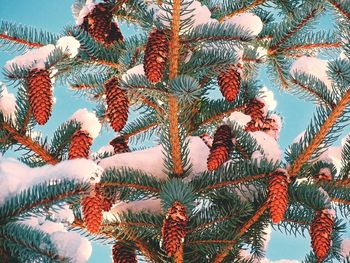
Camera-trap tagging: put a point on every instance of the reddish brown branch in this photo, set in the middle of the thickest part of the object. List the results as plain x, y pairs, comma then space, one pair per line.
312, 46
135, 186
221, 256
30, 144
233, 182
292, 32
21, 41
242, 10
339, 8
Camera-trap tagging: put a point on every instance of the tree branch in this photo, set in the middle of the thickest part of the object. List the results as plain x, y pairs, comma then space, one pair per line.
317, 140
225, 251
21, 41
242, 10
29, 143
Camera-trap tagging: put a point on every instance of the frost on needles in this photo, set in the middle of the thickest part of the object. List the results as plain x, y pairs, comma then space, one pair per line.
195, 170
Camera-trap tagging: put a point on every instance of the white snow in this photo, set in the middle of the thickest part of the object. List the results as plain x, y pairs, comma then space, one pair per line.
7, 102
269, 98
299, 137
239, 118
276, 125
88, 121
16, 176
207, 139
137, 70
151, 160
68, 244
34, 58
325, 195
69, 45
247, 21
87, 8
201, 14
312, 66
72, 245
345, 247
272, 151
148, 205
332, 155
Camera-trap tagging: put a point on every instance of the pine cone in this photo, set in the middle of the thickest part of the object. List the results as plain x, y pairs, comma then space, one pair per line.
229, 82
321, 233
222, 145
80, 145
156, 55
92, 211
120, 145
270, 127
99, 24
278, 195
174, 228
117, 104
123, 254
40, 94
255, 109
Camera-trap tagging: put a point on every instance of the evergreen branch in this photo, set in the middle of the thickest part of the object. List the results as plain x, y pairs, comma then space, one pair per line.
340, 8
293, 28
226, 250
21, 37
29, 143
233, 182
35, 198
143, 129
313, 46
25, 242
319, 137
320, 94
174, 57
242, 10
128, 178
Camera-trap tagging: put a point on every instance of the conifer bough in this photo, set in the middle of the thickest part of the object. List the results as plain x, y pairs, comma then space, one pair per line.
217, 178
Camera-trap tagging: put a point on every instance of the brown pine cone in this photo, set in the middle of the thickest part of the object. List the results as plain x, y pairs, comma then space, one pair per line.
99, 24
156, 55
270, 127
117, 104
321, 233
229, 82
120, 145
174, 228
123, 254
40, 94
80, 145
222, 145
92, 211
255, 109
278, 195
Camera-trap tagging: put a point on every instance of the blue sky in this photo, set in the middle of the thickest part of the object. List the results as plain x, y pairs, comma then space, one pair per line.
53, 15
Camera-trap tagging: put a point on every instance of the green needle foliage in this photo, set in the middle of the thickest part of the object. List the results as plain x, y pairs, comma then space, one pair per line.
221, 215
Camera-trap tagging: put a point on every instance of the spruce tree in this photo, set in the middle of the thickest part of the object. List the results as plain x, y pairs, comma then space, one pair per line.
190, 76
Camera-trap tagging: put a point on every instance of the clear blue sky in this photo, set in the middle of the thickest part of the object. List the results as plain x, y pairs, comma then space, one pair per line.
53, 15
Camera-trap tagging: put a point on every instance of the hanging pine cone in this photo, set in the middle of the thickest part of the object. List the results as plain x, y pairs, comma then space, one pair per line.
156, 55
255, 109
92, 211
120, 144
321, 233
174, 228
278, 195
99, 24
123, 254
222, 145
80, 145
270, 126
117, 104
40, 94
229, 82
